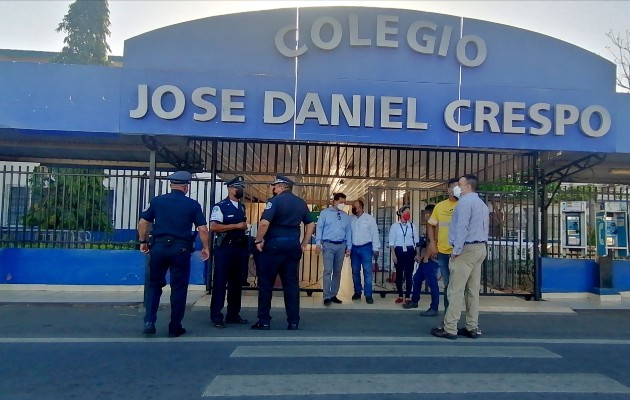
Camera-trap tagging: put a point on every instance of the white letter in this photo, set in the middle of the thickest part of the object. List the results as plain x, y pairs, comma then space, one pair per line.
566, 114
289, 106
316, 31
227, 105
509, 117
143, 102
604, 121
199, 101
429, 41
387, 111
446, 39
156, 102
369, 111
282, 47
354, 32
543, 120
312, 99
449, 114
382, 30
491, 117
411, 116
482, 51
339, 103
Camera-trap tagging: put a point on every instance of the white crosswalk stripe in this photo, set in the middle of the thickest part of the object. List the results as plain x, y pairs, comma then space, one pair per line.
345, 384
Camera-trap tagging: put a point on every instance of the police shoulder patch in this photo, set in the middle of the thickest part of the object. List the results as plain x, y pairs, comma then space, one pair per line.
215, 208
268, 205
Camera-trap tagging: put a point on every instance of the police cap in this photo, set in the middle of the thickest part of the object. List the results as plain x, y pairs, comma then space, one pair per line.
283, 179
180, 177
238, 182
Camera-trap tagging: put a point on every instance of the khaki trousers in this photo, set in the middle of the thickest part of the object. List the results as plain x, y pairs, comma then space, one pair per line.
463, 287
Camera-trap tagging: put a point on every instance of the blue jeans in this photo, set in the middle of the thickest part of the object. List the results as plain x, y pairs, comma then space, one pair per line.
361, 256
427, 271
442, 261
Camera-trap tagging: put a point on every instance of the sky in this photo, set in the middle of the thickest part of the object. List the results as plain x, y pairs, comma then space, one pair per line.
30, 25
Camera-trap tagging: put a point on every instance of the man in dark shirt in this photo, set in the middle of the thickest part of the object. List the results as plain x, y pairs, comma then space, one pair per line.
172, 215
231, 254
278, 239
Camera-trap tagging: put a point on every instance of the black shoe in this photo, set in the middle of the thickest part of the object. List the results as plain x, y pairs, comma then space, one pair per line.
327, 302
149, 328
334, 299
369, 300
441, 333
237, 320
429, 313
261, 326
467, 333
356, 296
409, 305
292, 327
219, 324
176, 332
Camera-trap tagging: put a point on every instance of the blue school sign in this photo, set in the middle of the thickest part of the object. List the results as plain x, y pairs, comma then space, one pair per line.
347, 74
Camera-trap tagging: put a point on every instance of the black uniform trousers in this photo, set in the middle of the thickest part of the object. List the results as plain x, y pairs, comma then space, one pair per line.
279, 257
404, 269
229, 262
176, 258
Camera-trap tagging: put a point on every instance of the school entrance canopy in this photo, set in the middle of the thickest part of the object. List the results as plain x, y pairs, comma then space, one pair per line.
349, 97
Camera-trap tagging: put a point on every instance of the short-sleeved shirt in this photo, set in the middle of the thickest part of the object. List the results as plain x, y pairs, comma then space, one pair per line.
285, 212
174, 214
441, 219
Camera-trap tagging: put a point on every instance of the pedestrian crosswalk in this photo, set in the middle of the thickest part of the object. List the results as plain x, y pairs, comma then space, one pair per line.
366, 381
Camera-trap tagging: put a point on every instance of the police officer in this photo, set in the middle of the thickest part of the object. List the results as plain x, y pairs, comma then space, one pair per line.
278, 239
170, 247
231, 255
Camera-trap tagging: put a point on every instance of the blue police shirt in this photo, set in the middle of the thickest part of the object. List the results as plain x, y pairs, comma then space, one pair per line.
285, 212
173, 214
225, 212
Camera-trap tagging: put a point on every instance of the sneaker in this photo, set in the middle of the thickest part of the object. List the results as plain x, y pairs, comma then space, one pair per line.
369, 300
411, 304
149, 328
261, 326
399, 300
335, 300
356, 296
469, 334
441, 333
429, 313
292, 327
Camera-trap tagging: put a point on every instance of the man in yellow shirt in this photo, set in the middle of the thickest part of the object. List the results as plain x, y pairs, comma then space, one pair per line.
437, 232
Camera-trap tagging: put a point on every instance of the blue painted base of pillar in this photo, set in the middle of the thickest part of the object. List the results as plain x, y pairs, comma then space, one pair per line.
604, 291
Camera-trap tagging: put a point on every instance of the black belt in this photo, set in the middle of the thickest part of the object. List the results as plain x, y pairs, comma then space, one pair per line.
283, 238
235, 242
170, 239
362, 245
334, 241
475, 242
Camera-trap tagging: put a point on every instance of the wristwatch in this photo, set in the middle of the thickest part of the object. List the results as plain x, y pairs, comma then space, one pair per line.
143, 242
258, 241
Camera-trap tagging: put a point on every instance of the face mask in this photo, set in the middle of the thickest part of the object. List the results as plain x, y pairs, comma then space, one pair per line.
354, 210
239, 193
406, 216
340, 206
457, 192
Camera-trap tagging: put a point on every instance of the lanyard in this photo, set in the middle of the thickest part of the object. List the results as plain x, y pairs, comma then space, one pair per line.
404, 232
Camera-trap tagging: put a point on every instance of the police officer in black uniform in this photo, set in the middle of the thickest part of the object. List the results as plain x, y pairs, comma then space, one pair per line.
231, 255
278, 238
170, 247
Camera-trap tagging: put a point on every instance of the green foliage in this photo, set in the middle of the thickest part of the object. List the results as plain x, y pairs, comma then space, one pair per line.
73, 199
86, 26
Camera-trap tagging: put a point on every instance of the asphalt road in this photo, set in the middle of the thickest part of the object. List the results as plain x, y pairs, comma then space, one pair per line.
97, 352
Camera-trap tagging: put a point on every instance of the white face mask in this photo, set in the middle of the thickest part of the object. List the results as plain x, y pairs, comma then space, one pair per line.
340, 206
457, 191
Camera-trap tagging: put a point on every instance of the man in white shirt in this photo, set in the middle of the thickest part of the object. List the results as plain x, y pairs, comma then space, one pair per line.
365, 246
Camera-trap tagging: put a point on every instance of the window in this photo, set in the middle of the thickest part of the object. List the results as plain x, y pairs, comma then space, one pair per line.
18, 204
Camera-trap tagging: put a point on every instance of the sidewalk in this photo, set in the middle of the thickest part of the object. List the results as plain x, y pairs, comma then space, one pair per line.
199, 299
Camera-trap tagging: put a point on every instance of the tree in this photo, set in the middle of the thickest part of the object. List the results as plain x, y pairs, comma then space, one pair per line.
87, 27
620, 50
72, 199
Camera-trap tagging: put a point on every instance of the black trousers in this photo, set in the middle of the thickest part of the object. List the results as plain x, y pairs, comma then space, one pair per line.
229, 262
176, 258
279, 258
404, 269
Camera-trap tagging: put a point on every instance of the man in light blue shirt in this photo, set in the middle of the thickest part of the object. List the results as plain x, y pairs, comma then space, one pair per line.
333, 238
468, 234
